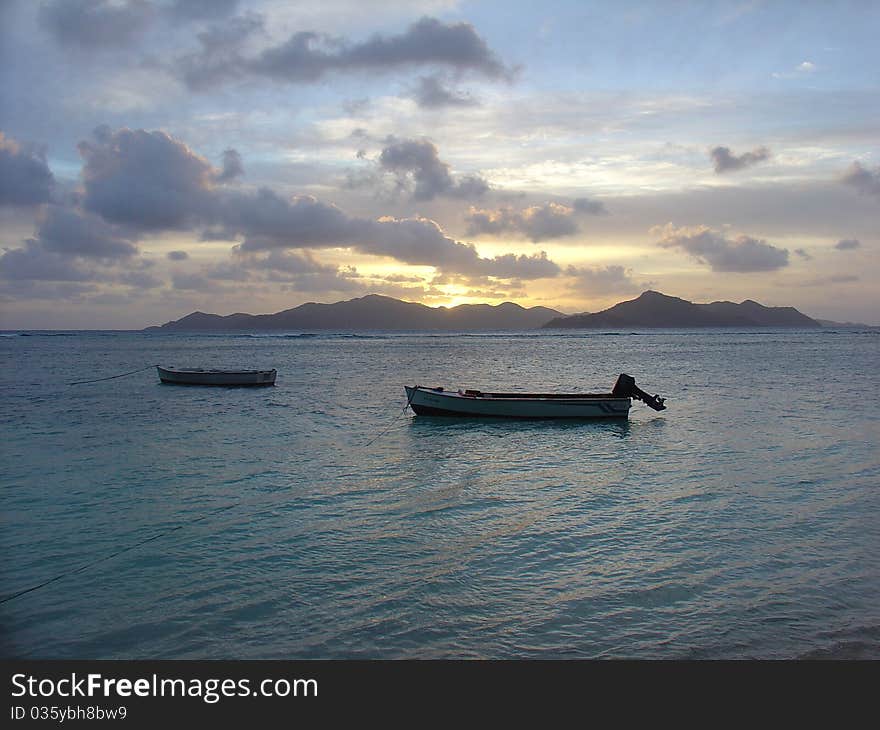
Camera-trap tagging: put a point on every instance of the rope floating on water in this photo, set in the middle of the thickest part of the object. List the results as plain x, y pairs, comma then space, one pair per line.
122, 375
393, 421
81, 568
157, 536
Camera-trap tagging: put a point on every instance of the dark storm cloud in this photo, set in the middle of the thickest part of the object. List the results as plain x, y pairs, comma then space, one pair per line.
725, 161
432, 93
867, 182
848, 244
742, 254
232, 166
145, 179
420, 159
307, 56
537, 223
91, 24
25, 178
600, 281
68, 232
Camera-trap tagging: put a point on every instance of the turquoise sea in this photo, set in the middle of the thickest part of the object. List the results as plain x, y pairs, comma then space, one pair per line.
315, 519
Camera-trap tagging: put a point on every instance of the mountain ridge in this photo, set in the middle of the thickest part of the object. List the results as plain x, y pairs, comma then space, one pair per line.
651, 309
371, 312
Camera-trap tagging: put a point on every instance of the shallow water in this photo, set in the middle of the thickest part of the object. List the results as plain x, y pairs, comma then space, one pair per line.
316, 520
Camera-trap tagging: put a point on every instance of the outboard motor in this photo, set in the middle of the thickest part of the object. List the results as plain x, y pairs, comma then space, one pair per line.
625, 387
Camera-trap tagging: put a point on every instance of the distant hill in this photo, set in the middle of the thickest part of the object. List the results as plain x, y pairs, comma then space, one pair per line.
653, 309
372, 312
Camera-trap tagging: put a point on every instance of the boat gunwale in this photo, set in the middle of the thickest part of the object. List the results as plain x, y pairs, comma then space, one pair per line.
521, 396
203, 371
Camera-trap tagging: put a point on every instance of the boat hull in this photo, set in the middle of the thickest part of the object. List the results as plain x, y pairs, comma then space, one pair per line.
222, 378
435, 402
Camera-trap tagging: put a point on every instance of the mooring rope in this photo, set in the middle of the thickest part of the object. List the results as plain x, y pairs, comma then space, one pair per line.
121, 375
393, 421
81, 568
159, 535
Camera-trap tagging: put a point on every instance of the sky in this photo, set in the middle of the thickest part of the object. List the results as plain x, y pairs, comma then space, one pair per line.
159, 157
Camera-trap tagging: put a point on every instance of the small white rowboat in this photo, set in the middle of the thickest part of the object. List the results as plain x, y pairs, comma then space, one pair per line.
616, 404
201, 376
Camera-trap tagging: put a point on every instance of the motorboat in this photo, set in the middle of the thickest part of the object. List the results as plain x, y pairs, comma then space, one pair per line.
616, 404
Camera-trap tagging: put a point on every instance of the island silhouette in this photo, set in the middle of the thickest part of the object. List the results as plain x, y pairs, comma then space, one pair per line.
375, 312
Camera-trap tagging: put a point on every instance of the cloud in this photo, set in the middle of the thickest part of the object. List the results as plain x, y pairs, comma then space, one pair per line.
725, 161
145, 179
267, 221
602, 281
848, 244
201, 9
741, 254
589, 206
220, 55
18, 289
139, 280
432, 93
72, 246
537, 223
194, 282
337, 281
420, 158
867, 182
308, 56
232, 166
300, 270
25, 177
511, 266
71, 233
833, 279
177, 255
803, 254
284, 262
802, 69
35, 263
148, 181
90, 24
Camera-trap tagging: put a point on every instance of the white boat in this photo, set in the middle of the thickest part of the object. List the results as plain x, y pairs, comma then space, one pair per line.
202, 376
616, 404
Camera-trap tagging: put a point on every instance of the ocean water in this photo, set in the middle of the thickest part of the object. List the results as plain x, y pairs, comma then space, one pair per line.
316, 519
